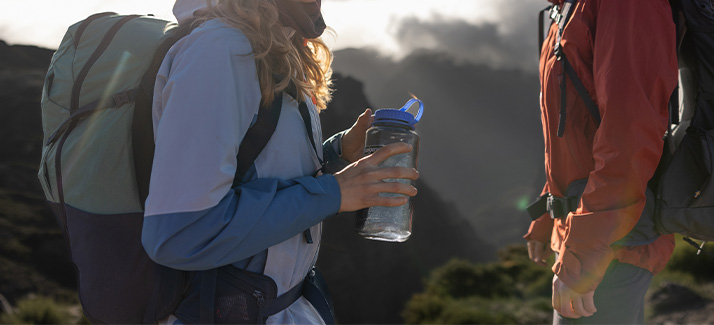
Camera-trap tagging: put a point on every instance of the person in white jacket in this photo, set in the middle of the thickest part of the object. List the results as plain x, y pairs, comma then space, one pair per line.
207, 94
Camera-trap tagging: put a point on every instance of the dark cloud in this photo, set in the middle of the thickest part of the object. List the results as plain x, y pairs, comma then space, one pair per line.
511, 42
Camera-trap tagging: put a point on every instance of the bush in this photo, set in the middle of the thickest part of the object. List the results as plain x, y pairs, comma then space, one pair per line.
513, 290
477, 310
38, 310
424, 309
459, 279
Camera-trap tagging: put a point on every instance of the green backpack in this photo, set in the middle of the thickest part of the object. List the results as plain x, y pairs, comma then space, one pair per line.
96, 162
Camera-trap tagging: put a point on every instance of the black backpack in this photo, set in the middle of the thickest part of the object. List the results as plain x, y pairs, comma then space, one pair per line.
682, 185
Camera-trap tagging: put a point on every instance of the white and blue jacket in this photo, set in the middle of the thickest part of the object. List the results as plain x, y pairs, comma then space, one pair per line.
206, 97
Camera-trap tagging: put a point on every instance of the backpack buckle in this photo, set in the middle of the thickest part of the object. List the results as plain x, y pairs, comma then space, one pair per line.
122, 98
559, 207
555, 14
550, 205
558, 51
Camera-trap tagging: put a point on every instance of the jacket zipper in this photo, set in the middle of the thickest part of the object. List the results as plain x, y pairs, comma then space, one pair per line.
261, 303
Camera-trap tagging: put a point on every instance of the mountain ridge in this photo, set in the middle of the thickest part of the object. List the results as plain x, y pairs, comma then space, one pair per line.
37, 260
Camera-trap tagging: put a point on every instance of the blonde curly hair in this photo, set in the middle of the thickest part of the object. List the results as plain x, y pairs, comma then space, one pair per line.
278, 53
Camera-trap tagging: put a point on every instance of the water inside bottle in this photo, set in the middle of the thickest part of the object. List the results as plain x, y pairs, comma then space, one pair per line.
388, 223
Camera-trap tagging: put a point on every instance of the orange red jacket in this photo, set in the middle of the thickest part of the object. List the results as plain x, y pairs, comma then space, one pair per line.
624, 53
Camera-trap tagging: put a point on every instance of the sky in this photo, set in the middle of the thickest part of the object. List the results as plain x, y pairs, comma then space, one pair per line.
393, 27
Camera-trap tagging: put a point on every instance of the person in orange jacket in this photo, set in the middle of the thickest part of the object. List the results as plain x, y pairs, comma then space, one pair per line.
624, 54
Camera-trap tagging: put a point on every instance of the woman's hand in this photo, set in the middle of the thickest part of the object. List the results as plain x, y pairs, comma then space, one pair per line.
362, 181
353, 139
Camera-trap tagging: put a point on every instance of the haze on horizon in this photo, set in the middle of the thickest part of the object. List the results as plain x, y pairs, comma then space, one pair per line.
393, 28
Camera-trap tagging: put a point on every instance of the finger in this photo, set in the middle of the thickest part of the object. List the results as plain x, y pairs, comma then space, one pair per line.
394, 172
566, 307
394, 188
387, 201
387, 151
364, 121
578, 309
561, 299
531, 250
543, 251
366, 117
589, 302
537, 252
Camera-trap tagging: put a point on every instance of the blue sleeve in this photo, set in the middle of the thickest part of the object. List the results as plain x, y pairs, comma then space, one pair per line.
332, 151
248, 220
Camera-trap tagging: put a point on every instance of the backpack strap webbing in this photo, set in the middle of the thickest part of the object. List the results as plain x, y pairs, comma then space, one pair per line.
76, 90
257, 137
307, 120
142, 128
83, 26
562, 19
541, 27
103, 44
313, 287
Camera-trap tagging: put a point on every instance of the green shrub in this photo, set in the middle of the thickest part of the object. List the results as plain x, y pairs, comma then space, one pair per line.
38, 310
459, 279
512, 290
424, 309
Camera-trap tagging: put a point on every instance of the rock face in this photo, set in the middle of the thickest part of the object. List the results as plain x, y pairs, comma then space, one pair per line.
676, 304
370, 281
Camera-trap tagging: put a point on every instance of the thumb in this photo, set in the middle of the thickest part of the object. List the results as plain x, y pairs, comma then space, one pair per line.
364, 121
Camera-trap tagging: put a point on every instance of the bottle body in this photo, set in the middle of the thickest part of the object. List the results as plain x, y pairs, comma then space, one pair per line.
393, 224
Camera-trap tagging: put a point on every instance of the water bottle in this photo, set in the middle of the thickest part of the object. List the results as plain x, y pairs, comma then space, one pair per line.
392, 224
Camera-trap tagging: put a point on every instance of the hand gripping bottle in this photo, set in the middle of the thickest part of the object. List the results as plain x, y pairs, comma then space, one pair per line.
392, 224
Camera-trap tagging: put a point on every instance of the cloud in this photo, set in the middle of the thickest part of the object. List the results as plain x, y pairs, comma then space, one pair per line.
506, 40
483, 43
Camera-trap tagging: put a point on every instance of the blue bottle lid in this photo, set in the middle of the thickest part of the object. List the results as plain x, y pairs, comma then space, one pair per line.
400, 116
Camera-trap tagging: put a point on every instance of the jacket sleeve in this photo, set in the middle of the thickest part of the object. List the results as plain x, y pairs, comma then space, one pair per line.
248, 220
635, 71
206, 97
332, 151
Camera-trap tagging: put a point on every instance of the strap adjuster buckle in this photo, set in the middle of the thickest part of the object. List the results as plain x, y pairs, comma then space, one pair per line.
122, 98
559, 207
555, 14
550, 206
558, 51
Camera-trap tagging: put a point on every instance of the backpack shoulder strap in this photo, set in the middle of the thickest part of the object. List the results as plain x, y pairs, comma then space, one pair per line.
542, 31
257, 137
142, 124
562, 19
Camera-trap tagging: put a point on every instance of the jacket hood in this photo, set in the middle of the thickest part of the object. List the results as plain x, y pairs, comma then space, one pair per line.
184, 10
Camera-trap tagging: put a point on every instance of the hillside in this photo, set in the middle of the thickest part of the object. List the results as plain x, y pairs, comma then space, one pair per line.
371, 282
34, 257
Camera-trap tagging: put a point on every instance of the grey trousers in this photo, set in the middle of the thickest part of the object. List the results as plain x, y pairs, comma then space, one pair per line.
619, 299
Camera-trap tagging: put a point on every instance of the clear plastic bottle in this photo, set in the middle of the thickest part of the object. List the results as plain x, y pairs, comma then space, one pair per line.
392, 224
